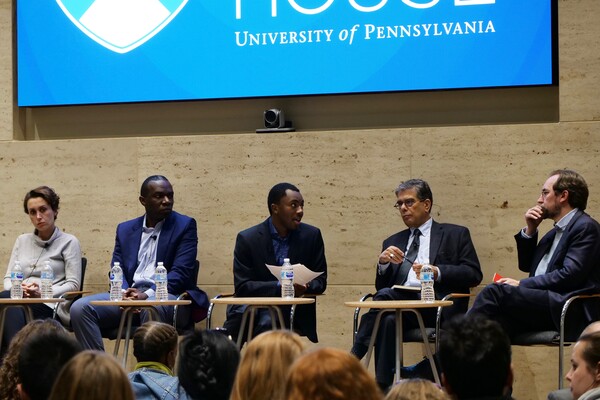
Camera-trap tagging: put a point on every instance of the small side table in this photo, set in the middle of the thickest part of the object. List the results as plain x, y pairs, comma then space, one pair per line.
24, 304
129, 308
272, 304
399, 307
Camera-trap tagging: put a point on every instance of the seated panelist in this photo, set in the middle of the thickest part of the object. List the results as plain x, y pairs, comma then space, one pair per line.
32, 251
281, 235
447, 247
161, 235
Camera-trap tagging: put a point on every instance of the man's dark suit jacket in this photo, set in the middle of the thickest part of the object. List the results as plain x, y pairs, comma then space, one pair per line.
177, 249
572, 270
254, 249
452, 251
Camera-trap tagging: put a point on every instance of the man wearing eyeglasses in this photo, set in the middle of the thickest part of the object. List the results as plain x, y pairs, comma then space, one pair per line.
447, 247
562, 264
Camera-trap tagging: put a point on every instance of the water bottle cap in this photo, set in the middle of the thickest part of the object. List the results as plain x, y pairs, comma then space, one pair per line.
286, 260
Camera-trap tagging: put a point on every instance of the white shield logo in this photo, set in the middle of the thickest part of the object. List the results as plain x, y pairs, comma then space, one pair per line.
121, 25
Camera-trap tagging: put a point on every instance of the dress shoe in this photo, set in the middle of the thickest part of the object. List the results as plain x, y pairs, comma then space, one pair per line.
421, 370
359, 350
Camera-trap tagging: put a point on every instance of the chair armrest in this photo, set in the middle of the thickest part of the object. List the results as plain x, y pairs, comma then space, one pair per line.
212, 306
73, 294
68, 296
357, 314
438, 317
565, 309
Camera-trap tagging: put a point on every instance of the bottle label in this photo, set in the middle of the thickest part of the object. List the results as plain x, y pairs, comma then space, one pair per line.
287, 274
16, 275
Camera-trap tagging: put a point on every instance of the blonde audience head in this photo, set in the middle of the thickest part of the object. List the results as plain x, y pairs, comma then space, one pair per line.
92, 375
265, 365
330, 374
416, 389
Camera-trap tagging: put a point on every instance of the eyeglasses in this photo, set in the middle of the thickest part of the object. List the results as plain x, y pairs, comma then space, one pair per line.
408, 203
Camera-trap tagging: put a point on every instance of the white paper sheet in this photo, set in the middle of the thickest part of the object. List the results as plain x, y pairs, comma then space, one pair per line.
302, 275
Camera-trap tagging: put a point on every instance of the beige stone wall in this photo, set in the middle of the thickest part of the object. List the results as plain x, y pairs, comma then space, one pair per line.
483, 176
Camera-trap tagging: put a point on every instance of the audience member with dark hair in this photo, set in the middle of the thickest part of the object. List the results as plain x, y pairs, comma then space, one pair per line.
92, 375
9, 371
330, 374
41, 359
265, 365
155, 349
475, 356
416, 389
46, 244
208, 361
584, 375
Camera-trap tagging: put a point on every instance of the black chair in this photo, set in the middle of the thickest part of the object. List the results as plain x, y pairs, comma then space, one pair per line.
553, 338
73, 295
229, 294
413, 335
183, 328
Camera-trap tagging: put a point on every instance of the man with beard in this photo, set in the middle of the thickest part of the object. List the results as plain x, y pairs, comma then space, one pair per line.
563, 264
161, 235
281, 235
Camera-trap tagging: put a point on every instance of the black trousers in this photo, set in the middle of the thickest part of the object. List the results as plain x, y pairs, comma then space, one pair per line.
15, 318
517, 309
385, 343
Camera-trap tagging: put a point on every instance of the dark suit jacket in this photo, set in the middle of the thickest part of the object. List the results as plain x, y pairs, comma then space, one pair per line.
177, 249
452, 251
572, 270
254, 249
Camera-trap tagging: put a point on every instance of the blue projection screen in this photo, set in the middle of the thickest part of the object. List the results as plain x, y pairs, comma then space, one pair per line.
114, 51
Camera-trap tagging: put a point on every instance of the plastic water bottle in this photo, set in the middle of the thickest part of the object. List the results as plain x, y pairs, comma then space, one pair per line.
427, 291
116, 282
16, 279
287, 279
160, 278
47, 280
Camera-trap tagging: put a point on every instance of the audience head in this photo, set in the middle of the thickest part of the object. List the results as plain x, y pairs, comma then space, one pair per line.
155, 341
591, 328
208, 361
475, 356
265, 364
330, 374
9, 371
574, 184
92, 375
585, 365
42, 357
416, 389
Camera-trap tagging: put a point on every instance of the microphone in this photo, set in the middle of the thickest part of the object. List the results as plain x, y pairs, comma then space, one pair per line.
153, 237
46, 245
